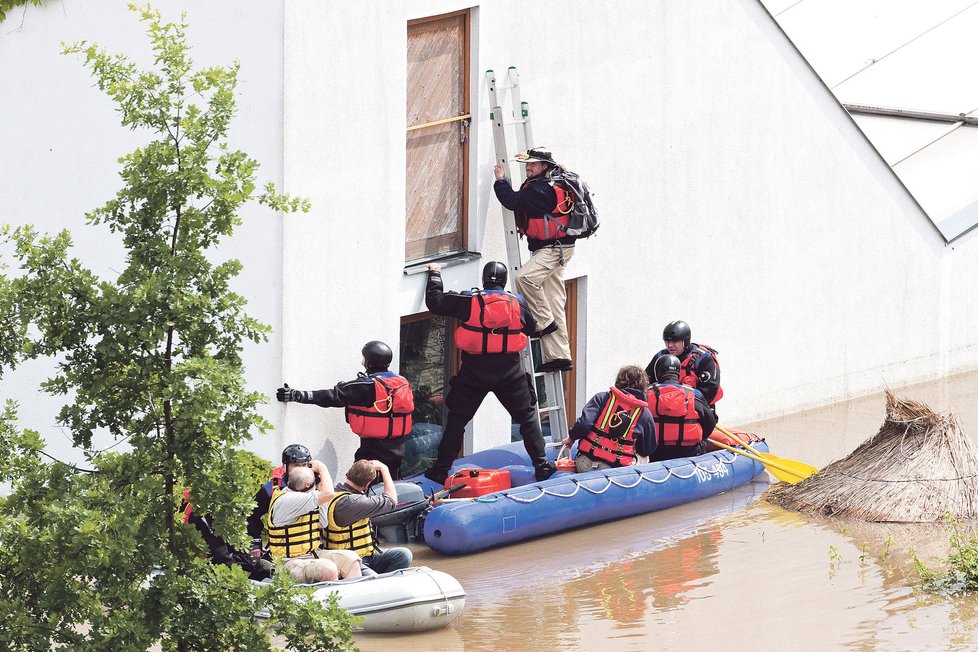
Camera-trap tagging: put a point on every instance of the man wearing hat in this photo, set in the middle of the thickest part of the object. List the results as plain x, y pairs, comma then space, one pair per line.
542, 210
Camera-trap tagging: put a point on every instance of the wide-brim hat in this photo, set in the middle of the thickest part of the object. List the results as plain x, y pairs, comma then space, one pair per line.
538, 155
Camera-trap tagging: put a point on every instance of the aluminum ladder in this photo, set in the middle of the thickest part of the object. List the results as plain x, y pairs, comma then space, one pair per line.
551, 408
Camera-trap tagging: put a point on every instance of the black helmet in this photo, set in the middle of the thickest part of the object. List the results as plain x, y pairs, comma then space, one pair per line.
494, 273
296, 454
677, 330
666, 364
376, 355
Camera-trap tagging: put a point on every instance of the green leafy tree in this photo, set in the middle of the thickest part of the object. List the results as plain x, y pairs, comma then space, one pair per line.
8, 5
94, 557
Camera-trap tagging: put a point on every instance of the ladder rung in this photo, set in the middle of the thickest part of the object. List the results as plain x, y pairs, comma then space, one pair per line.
539, 374
550, 408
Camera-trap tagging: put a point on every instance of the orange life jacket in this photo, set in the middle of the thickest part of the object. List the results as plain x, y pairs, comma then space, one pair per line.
687, 368
186, 508
494, 324
612, 435
674, 409
552, 225
390, 414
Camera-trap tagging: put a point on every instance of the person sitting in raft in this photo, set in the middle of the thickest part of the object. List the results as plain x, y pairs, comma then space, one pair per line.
294, 532
616, 425
347, 518
682, 416
293, 456
699, 367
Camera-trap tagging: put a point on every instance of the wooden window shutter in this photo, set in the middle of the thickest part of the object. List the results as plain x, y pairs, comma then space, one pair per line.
437, 84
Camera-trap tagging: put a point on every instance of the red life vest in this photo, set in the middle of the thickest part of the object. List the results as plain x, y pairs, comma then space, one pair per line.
674, 409
278, 476
687, 367
494, 324
390, 414
552, 225
276, 480
185, 507
612, 435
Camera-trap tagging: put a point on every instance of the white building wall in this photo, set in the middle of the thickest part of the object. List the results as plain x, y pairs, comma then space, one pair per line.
735, 194
60, 139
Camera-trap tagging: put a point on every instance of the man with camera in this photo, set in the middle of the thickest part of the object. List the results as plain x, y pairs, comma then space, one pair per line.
347, 517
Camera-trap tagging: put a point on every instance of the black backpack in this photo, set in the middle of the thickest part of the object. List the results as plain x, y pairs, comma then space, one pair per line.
583, 215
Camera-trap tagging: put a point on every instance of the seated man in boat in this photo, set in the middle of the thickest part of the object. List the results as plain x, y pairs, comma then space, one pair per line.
699, 368
493, 328
683, 419
293, 456
615, 426
347, 517
294, 532
378, 406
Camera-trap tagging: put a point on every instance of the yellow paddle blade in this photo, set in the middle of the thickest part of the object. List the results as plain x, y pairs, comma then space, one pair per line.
795, 466
785, 470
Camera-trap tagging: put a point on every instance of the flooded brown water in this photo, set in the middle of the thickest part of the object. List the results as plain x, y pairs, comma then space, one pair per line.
730, 573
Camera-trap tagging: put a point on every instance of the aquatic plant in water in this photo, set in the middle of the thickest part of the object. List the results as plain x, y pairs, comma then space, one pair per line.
958, 573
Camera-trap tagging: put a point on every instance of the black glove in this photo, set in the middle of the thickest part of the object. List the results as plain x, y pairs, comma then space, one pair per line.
286, 394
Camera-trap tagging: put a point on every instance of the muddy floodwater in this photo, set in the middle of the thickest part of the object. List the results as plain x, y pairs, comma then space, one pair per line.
728, 573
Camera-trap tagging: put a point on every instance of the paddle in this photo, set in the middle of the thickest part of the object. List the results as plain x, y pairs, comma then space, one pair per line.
780, 471
811, 470
406, 512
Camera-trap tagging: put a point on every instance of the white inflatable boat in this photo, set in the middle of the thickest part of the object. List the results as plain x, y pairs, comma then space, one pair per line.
409, 600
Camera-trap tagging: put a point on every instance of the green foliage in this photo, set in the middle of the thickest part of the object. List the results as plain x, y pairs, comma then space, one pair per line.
835, 558
887, 546
150, 359
257, 468
958, 573
7, 5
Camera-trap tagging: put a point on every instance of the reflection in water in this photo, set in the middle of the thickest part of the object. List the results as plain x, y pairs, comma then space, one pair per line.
888, 548
569, 590
623, 591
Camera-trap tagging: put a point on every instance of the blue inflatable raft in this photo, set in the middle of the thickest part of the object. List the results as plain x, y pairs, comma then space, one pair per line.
572, 500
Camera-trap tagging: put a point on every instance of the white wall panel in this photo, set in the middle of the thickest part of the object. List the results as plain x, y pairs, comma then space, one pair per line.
735, 193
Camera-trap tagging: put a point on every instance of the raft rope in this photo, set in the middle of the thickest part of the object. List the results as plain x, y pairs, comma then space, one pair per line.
670, 472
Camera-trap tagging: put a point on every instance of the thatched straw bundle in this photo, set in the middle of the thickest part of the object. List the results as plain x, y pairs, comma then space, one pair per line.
917, 468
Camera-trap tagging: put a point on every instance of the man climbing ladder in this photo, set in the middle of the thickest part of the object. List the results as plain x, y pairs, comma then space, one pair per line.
550, 389
542, 209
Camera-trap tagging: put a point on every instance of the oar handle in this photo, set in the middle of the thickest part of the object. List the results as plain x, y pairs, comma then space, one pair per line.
737, 439
763, 461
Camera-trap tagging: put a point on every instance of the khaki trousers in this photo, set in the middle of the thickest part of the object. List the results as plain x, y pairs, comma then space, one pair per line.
541, 282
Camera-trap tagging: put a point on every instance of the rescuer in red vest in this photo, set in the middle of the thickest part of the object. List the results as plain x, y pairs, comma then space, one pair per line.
378, 406
492, 330
615, 426
698, 363
541, 209
683, 420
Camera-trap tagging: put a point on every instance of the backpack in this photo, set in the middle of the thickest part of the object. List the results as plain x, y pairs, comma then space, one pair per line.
583, 215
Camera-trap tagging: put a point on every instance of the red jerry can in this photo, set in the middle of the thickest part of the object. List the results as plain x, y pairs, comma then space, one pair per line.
478, 482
